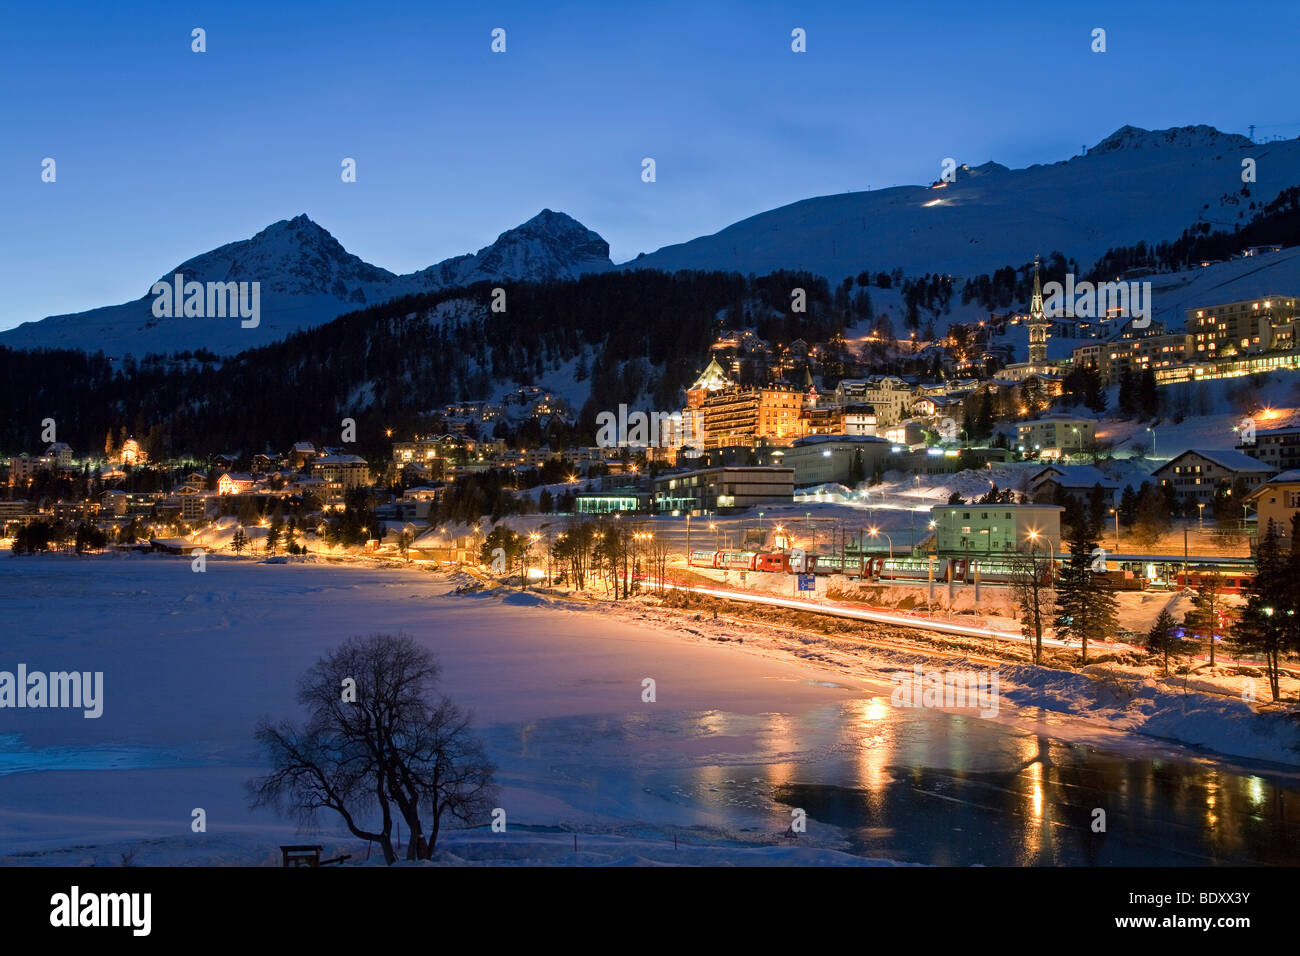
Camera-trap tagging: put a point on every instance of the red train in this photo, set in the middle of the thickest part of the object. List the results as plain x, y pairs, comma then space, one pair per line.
1230, 582
771, 561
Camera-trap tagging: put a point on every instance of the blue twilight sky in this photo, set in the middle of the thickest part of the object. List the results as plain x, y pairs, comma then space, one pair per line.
163, 153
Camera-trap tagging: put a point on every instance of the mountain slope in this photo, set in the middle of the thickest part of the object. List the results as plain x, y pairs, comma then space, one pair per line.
1134, 185
307, 278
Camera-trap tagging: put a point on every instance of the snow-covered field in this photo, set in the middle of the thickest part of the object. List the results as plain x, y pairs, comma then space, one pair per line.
191, 660
743, 714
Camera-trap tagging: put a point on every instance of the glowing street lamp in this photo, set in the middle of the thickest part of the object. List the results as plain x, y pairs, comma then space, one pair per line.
876, 533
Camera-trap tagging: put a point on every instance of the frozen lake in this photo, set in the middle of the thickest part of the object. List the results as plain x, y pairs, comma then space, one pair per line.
734, 740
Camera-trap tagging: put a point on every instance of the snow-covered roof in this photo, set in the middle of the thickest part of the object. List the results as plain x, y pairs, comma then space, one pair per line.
822, 439
1224, 458
1075, 476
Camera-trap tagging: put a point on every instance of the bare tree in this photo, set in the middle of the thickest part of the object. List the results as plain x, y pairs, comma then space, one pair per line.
1031, 583
378, 739
659, 554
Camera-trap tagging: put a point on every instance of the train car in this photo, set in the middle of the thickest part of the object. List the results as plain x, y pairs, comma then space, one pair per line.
997, 571
736, 560
1230, 582
850, 566
833, 564
703, 559
912, 569
773, 561
823, 563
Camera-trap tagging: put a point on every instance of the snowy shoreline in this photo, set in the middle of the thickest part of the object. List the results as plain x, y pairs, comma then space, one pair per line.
1097, 705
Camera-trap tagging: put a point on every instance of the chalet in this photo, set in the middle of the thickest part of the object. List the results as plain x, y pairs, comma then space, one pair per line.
1057, 483
301, 455
60, 453
235, 483
1196, 473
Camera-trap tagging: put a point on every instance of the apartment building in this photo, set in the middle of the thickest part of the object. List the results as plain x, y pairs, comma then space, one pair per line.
889, 396
1057, 435
1247, 327
981, 529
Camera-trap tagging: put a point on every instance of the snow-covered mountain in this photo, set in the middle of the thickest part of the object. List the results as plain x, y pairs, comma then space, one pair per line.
307, 278
1134, 185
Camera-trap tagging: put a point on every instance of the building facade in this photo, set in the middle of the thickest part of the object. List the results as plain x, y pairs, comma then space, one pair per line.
1276, 447
722, 490
735, 416
1057, 435
820, 459
1195, 474
889, 397
990, 529
1276, 500
1247, 327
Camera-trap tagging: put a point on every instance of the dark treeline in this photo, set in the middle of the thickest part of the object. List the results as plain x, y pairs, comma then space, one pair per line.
1013, 286
389, 365
1274, 223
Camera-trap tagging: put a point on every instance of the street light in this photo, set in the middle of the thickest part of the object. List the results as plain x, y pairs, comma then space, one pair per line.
1200, 516
876, 533
1152, 430
1115, 512
1033, 536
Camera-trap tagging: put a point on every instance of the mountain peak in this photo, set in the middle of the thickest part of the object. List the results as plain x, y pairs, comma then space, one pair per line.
551, 244
300, 226
557, 227
1134, 137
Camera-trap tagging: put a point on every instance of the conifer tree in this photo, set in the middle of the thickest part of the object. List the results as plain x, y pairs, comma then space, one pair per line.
1085, 604
1160, 639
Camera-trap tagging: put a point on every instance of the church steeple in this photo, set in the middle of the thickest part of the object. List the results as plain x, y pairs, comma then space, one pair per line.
1037, 323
